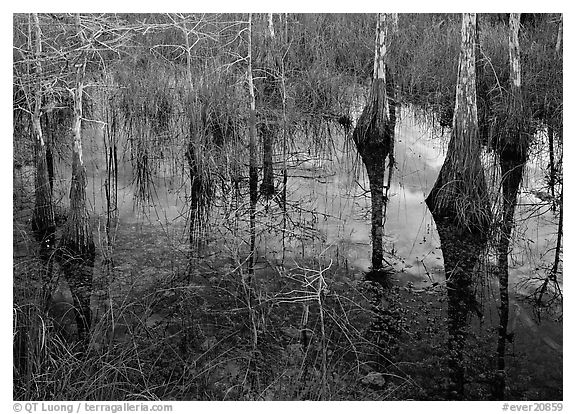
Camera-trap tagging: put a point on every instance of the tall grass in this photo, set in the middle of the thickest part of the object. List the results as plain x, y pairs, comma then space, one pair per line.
194, 342
301, 330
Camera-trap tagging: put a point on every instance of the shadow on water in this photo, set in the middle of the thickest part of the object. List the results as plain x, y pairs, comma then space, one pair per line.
461, 251
78, 271
402, 313
435, 319
429, 254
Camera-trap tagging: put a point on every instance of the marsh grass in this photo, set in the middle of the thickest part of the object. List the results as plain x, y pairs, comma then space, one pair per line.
192, 341
163, 332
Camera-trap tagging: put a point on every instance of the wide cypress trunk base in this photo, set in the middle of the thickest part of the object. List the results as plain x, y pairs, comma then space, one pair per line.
374, 137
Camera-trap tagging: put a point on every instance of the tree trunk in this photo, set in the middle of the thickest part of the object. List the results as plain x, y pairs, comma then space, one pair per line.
460, 190
552, 180
49, 130
482, 93
460, 251
512, 151
394, 17
376, 178
43, 222
111, 182
559, 38
77, 245
558, 250
199, 189
511, 180
253, 377
284, 146
267, 186
268, 128
253, 166
374, 138
459, 205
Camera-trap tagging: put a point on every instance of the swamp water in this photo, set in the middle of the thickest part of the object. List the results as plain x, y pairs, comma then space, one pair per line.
328, 206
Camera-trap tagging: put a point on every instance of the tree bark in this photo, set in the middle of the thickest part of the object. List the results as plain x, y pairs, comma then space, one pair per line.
559, 37
374, 138
77, 244
558, 250
394, 17
512, 152
460, 190
268, 128
199, 189
283, 196
253, 166
111, 182
459, 205
253, 373
552, 179
43, 222
48, 132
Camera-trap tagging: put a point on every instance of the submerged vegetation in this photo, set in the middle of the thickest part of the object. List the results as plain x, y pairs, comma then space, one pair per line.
168, 241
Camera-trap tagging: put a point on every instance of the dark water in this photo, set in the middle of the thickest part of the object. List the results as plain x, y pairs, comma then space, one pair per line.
332, 209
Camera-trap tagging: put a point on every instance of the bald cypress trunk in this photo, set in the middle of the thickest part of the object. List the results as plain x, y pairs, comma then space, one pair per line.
552, 165
460, 191
253, 166
43, 222
253, 372
77, 249
197, 194
48, 130
512, 148
269, 126
459, 205
374, 138
559, 37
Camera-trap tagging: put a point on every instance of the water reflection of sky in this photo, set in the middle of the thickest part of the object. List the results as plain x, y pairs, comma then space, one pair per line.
410, 232
338, 196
